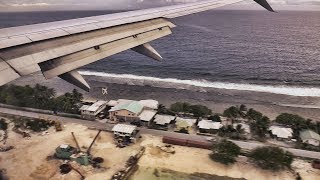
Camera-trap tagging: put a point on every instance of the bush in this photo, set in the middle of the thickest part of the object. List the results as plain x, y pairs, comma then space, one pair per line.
3, 124
231, 112
200, 111
180, 107
215, 118
225, 152
271, 158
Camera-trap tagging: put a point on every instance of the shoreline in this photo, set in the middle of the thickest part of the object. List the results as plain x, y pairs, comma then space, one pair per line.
216, 99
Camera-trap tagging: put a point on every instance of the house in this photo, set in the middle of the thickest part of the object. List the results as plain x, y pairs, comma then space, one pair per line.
182, 123
208, 126
245, 127
281, 133
125, 132
148, 104
310, 137
129, 111
163, 121
146, 116
91, 111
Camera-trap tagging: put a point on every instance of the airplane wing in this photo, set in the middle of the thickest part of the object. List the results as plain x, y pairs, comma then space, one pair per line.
60, 48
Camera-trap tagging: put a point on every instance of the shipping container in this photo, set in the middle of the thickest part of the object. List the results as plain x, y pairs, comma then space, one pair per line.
174, 141
185, 142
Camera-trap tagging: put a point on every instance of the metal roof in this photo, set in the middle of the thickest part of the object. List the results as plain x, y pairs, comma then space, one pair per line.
208, 124
133, 106
94, 107
147, 115
182, 122
163, 119
308, 134
149, 103
281, 132
124, 128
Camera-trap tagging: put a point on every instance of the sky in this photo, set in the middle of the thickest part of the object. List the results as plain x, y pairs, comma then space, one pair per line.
38, 5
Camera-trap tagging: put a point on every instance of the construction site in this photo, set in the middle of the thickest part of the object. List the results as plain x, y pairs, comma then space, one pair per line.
49, 149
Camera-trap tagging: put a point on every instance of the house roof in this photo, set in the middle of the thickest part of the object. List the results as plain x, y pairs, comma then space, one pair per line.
133, 107
147, 115
281, 132
124, 128
308, 134
94, 107
149, 103
84, 107
182, 122
163, 119
208, 124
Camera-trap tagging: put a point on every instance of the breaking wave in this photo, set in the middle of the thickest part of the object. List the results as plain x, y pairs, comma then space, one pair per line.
203, 84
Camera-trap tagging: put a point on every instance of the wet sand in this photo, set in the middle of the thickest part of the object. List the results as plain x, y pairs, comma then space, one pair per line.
216, 99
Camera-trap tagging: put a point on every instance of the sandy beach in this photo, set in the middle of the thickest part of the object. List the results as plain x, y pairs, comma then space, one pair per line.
217, 99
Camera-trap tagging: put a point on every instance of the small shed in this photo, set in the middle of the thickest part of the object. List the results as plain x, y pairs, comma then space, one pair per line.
310, 137
124, 130
163, 121
183, 123
281, 132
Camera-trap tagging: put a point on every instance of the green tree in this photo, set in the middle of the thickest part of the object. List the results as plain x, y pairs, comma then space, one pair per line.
180, 107
260, 126
231, 112
243, 107
215, 118
3, 124
271, 158
254, 115
225, 152
200, 111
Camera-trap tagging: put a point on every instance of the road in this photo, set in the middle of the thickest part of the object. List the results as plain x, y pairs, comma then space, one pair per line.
108, 127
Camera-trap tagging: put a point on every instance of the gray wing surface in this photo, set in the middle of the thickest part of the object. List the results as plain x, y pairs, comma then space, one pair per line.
59, 48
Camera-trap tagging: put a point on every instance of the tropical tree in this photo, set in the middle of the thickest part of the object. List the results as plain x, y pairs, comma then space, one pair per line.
200, 111
260, 126
225, 152
254, 115
271, 158
215, 118
231, 112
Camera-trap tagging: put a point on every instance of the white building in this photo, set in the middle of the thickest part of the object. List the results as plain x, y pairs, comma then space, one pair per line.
163, 120
123, 130
208, 126
90, 112
147, 104
281, 132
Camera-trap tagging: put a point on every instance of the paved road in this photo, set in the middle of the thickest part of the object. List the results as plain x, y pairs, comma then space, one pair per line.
108, 127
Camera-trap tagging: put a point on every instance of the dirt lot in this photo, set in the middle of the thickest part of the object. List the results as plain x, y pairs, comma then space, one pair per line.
29, 158
193, 160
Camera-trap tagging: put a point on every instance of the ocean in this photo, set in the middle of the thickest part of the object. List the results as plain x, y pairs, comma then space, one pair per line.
242, 50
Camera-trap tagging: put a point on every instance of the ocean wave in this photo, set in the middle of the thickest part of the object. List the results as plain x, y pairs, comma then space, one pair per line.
189, 84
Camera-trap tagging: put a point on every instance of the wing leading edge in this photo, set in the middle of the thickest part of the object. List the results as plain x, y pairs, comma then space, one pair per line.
59, 48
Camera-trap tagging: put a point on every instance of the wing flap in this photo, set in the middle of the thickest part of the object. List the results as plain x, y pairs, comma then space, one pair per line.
7, 74
79, 59
106, 21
